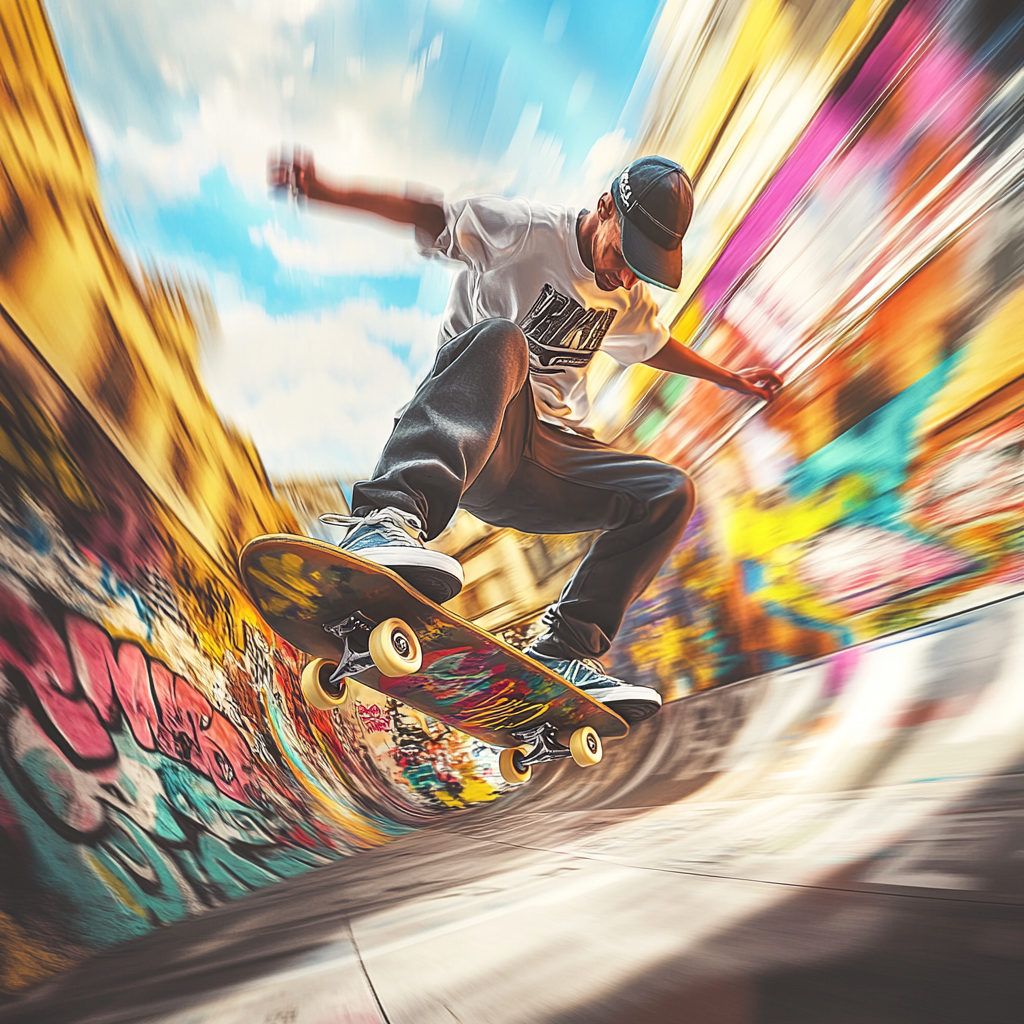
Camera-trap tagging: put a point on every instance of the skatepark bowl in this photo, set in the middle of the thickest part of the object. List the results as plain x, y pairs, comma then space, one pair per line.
823, 825
841, 841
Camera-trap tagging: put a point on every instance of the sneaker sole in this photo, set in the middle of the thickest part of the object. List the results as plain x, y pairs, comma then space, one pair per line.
433, 573
633, 711
633, 703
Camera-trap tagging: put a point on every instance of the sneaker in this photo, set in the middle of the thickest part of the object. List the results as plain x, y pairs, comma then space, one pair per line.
394, 538
631, 702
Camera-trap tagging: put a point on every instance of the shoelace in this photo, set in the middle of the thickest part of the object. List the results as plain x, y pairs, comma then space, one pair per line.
576, 667
592, 663
384, 517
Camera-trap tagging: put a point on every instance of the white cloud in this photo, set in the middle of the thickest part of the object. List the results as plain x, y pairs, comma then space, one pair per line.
558, 18
319, 393
173, 74
292, 12
605, 160
150, 168
240, 78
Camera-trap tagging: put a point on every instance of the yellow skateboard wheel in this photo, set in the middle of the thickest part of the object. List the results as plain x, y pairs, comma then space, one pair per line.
314, 675
510, 770
585, 746
395, 649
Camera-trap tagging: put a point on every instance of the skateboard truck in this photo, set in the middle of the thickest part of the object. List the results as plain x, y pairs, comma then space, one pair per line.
353, 631
542, 741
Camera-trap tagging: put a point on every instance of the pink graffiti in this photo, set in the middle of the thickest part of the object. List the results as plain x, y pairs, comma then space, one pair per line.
83, 686
373, 717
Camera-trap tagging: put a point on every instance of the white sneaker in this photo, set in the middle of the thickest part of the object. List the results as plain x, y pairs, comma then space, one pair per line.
394, 538
629, 701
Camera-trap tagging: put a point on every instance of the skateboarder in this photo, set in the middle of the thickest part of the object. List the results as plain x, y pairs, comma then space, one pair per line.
498, 425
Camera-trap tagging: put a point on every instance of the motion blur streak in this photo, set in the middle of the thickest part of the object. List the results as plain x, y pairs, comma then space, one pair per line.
880, 269
840, 825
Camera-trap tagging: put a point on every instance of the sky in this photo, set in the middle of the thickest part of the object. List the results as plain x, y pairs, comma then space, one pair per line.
327, 321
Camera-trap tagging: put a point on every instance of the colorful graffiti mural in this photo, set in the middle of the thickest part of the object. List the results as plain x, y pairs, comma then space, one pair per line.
881, 270
157, 757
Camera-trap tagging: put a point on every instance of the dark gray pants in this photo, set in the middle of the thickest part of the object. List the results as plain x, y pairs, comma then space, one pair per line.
471, 437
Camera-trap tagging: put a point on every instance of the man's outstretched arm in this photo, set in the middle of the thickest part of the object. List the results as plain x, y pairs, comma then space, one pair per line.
675, 357
299, 173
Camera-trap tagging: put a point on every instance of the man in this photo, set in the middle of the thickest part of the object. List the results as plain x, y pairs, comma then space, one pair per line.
498, 426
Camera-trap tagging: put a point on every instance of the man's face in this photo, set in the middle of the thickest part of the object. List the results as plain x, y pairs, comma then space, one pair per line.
610, 269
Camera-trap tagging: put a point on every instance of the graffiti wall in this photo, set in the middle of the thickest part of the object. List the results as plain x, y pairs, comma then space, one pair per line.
881, 270
156, 756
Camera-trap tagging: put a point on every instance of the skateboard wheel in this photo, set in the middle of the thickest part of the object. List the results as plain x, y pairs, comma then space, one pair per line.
511, 768
315, 679
395, 649
585, 746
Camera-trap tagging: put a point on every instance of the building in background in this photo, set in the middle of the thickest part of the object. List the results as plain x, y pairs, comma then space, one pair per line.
125, 341
511, 577
310, 497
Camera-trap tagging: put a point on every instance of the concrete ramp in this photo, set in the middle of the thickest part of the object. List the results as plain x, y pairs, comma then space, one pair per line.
838, 842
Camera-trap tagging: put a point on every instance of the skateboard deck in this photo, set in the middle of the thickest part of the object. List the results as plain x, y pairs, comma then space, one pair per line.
324, 601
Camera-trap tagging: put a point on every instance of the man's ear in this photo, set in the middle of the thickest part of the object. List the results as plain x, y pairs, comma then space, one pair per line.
606, 206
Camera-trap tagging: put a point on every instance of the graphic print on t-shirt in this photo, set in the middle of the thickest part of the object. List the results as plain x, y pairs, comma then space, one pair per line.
561, 332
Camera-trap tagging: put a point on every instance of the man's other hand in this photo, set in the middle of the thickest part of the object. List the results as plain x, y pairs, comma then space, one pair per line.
759, 382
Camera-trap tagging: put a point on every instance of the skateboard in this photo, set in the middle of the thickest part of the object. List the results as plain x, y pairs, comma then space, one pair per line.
359, 619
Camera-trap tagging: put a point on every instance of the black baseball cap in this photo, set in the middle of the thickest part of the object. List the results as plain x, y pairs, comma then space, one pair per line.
654, 198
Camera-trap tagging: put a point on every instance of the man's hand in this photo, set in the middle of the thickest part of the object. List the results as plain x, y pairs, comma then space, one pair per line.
293, 173
675, 357
759, 382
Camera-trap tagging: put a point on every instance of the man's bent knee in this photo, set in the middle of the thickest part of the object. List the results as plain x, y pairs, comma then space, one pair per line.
504, 334
496, 342
679, 493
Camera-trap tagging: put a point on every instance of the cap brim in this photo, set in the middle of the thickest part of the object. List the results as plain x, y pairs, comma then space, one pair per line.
647, 259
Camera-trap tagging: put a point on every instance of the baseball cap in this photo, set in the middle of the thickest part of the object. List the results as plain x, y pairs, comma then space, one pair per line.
654, 198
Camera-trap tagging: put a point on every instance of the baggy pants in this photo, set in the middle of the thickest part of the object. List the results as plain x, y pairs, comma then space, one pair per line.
471, 437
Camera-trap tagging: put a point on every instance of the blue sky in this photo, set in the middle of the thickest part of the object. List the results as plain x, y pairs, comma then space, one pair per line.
329, 321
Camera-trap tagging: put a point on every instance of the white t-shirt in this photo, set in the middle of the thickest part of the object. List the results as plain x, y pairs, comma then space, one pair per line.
520, 260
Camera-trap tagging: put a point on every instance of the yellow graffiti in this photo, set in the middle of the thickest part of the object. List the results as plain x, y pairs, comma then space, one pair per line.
24, 960
782, 585
752, 532
208, 600
476, 791
501, 712
432, 631
115, 885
